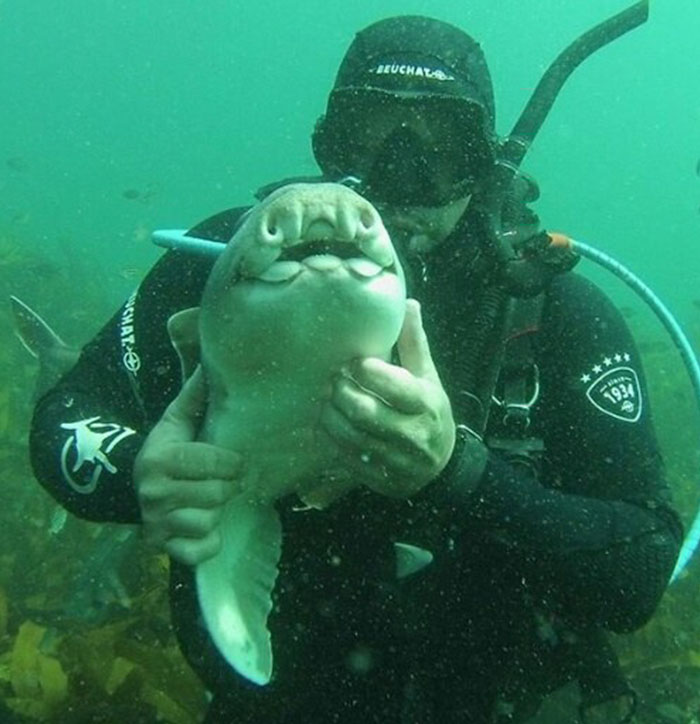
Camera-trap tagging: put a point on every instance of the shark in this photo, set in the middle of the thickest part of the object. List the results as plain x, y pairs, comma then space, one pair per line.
309, 281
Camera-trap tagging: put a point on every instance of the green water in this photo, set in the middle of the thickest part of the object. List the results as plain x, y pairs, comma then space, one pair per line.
121, 116
202, 102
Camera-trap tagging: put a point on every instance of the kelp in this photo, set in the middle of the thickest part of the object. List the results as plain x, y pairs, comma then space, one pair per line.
127, 668
39, 683
66, 664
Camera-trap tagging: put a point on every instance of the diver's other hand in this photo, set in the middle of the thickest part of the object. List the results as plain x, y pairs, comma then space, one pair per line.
181, 484
394, 423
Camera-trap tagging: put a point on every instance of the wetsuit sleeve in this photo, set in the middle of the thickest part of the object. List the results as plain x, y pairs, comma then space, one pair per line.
87, 430
595, 532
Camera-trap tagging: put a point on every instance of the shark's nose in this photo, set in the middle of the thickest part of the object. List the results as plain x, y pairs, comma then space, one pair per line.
320, 229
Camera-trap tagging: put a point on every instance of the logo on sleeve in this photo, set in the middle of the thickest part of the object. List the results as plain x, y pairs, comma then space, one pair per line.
85, 453
613, 388
130, 357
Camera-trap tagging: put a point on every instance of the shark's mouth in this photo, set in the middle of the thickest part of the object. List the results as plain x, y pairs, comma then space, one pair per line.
299, 252
365, 260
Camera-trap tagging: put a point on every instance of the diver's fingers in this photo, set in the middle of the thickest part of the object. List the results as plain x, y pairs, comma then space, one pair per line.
414, 350
413, 447
191, 522
380, 464
383, 431
203, 461
186, 461
344, 432
192, 551
179, 421
159, 495
395, 385
205, 494
358, 445
359, 407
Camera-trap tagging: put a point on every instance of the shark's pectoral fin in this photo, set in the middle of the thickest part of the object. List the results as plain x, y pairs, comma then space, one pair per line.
410, 559
183, 329
235, 587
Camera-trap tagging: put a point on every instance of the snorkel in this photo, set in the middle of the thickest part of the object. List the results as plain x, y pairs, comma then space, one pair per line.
527, 269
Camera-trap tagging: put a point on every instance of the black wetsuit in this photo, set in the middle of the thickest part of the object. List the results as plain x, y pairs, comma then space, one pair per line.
526, 573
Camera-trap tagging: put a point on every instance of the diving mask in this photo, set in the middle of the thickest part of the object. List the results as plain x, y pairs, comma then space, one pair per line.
405, 153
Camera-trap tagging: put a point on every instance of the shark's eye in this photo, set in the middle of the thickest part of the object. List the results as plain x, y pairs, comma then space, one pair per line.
341, 249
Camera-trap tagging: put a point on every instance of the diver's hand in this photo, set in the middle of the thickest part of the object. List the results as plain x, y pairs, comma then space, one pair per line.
394, 424
182, 485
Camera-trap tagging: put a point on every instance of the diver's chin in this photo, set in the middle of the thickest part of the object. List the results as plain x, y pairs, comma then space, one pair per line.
420, 229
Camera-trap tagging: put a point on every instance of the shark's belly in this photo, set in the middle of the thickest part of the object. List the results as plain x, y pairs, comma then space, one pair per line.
276, 429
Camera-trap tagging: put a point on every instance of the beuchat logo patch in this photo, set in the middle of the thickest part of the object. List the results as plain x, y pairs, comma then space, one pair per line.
612, 386
86, 449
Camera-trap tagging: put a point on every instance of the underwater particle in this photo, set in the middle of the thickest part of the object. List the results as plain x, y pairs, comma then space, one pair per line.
697, 168
58, 520
504, 708
141, 233
360, 660
131, 194
130, 272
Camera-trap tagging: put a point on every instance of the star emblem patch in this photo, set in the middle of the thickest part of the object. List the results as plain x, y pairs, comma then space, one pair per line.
614, 388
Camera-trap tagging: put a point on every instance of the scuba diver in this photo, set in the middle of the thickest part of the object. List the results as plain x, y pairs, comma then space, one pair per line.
529, 468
